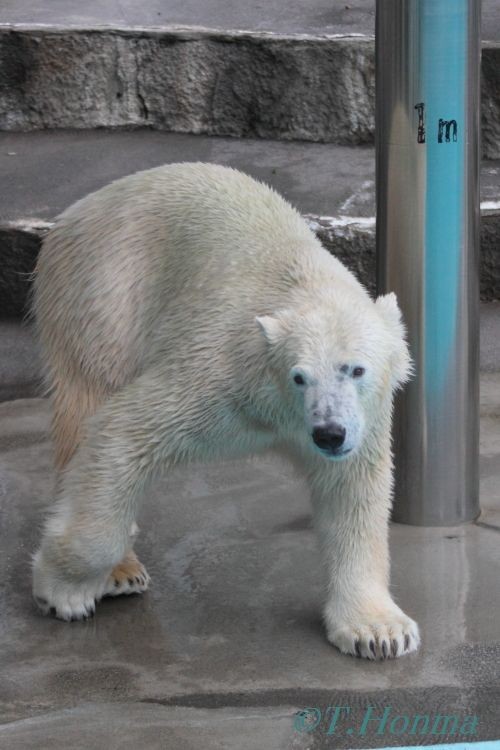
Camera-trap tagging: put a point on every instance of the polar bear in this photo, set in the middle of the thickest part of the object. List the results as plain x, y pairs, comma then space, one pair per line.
188, 313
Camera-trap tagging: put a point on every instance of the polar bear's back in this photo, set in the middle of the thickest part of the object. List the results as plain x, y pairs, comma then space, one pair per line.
196, 239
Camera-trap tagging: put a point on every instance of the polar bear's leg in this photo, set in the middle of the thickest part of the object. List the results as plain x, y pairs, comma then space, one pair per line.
92, 526
351, 502
73, 401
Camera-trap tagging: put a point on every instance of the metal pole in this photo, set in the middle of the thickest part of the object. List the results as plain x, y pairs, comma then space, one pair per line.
428, 62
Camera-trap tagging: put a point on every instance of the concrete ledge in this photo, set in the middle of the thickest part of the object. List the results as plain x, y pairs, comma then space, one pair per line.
198, 80
20, 244
189, 80
351, 240
332, 186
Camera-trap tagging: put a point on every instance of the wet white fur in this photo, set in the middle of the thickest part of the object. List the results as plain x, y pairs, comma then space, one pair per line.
173, 306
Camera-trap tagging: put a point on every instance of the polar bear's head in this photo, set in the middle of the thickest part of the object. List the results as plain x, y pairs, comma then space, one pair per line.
336, 362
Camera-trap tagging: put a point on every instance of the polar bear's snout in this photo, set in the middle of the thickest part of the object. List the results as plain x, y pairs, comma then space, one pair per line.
331, 438
334, 416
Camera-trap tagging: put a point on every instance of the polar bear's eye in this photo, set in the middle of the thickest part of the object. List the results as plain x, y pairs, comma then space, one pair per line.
299, 376
358, 372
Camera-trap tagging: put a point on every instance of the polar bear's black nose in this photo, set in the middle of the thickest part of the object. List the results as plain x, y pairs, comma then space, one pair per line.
329, 438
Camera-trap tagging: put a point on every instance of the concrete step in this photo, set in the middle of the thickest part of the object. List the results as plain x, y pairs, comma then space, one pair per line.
234, 69
314, 18
333, 186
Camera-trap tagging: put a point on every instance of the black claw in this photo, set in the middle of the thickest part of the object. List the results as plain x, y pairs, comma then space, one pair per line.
384, 649
117, 583
407, 642
130, 582
394, 647
372, 647
52, 611
357, 648
138, 580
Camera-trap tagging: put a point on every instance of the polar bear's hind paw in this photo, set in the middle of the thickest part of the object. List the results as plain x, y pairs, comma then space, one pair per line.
76, 599
69, 603
128, 577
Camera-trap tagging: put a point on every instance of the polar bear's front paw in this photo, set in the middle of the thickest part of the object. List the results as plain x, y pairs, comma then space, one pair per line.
384, 638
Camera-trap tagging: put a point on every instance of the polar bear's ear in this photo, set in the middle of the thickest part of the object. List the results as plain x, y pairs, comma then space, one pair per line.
401, 364
388, 306
271, 327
